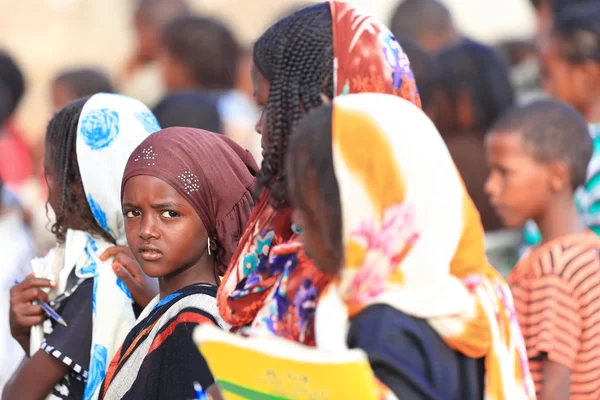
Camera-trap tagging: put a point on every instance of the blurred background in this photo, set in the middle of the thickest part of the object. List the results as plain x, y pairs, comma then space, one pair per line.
195, 72
46, 36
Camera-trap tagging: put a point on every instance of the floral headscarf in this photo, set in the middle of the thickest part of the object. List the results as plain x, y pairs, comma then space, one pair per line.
396, 251
271, 286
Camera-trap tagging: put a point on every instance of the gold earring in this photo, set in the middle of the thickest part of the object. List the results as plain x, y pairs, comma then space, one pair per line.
208, 241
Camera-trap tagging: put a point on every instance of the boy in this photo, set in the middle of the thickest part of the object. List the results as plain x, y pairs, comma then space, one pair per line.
538, 156
571, 69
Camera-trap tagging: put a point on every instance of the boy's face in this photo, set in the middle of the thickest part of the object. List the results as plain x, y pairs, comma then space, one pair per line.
175, 75
518, 184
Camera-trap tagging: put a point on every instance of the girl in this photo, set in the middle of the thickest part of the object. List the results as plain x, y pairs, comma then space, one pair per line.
186, 199
87, 145
316, 53
436, 320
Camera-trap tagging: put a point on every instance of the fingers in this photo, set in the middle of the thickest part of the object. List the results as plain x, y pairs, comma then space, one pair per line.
27, 296
127, 262
28, 322
114, 251
124, 274
29, 310
31, 283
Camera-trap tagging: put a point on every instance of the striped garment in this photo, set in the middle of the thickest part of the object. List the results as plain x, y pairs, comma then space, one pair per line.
556, 290
158, 359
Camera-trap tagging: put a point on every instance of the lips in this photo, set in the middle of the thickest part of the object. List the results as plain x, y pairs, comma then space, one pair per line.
150, 253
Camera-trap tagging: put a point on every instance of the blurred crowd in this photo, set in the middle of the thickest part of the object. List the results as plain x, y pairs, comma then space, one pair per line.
191, 71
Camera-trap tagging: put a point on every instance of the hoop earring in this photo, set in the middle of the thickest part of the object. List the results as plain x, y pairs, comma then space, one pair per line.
208, 245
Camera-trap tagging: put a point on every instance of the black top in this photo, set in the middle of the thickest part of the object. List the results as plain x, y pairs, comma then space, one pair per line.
72, 344
411, 359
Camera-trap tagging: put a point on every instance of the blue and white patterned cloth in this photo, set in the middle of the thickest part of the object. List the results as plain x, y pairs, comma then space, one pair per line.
110, 127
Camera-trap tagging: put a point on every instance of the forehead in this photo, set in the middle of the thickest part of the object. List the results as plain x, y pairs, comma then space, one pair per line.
506, 144
149, 188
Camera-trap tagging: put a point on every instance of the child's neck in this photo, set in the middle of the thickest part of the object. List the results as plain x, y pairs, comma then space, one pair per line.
201, 272
560, 218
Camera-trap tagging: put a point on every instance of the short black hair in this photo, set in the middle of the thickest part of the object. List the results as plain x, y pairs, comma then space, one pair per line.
61, 156
412, 18
12, 84
158, 13
310, 161
552, 130
85, 82
190, 109
296, 57
207, 48
483, 73
425, 68
578, 27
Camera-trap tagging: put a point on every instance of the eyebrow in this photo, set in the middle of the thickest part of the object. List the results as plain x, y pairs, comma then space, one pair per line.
168, 204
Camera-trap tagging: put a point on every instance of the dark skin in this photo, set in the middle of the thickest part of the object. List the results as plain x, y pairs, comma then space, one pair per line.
577, 84
41, 368
166, 235
61, 95
522, 188
45, 370
261, 87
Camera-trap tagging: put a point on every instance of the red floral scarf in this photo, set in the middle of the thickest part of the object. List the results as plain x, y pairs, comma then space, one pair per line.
271, 285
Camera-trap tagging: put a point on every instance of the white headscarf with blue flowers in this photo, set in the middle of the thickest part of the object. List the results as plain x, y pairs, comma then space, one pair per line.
110, 127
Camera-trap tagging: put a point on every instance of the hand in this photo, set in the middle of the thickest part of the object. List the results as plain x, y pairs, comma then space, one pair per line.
142, 287
23, 314
214, 393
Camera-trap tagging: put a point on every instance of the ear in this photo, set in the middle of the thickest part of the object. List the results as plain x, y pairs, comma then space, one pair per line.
559, 176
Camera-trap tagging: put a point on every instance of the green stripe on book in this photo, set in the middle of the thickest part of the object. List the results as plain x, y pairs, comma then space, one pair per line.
247, 393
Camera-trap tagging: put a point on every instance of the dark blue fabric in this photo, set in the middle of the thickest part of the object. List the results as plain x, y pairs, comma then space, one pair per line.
411, 359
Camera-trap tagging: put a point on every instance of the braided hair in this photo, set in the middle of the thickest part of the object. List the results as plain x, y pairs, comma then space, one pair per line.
61, 157
296, 57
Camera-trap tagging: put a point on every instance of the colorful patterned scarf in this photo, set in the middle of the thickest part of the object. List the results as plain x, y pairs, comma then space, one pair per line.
398, 253
271, 286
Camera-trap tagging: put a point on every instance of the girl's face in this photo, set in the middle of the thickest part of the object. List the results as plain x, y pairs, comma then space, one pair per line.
164, 232
261, 88
53, 191
564, 80
311, 219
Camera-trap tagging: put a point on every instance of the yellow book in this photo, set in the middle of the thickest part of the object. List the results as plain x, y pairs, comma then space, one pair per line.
269, 368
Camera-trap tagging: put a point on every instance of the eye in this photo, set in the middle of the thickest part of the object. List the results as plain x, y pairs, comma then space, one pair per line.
132, 213
169, 214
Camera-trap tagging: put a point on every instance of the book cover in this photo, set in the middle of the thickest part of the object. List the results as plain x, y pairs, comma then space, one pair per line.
269, 368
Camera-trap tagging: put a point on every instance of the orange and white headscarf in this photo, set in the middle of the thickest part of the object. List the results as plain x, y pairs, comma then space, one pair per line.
413, 240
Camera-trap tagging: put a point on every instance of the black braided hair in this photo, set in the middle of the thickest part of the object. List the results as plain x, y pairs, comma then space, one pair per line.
60, 155
296, 57
310, 161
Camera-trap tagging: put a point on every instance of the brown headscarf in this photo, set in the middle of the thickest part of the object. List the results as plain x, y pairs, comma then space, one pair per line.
212, 172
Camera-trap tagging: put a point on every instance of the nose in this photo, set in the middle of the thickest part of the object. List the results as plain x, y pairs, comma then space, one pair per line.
148, 228
259, 124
